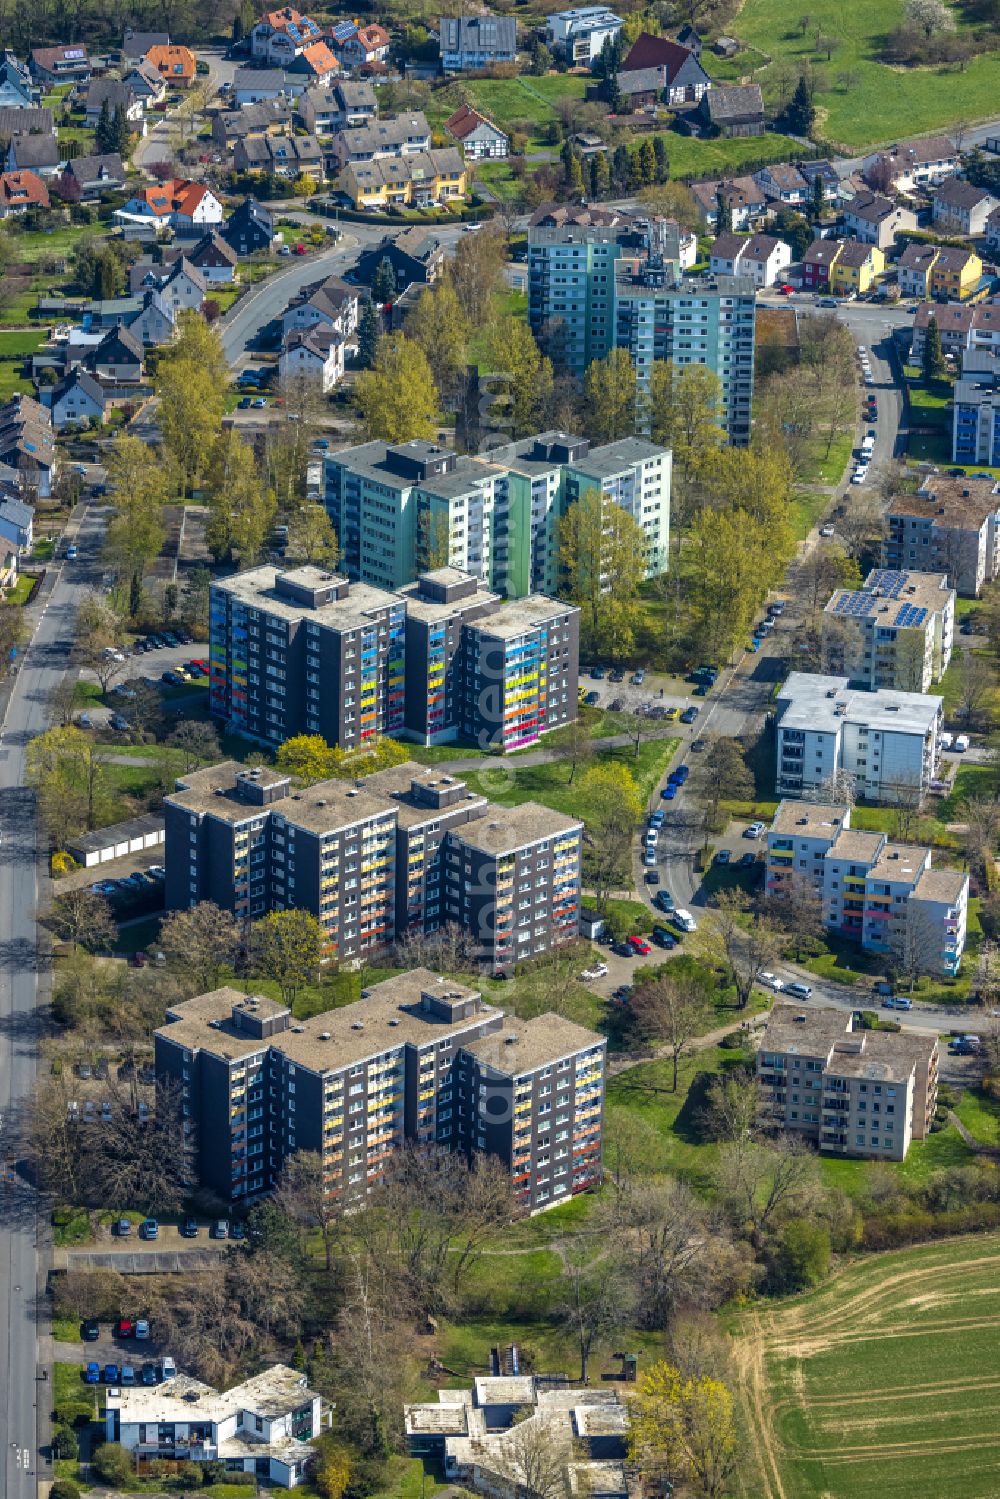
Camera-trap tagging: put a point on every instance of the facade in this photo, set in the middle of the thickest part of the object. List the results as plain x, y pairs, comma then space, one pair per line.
345, 105
880, 894
955, 274
784, 183
914, 267
760, 257
741, 195
116, 95
364, 46
884, 742
951, 525
77, 400
180, 203
249, 228
410, 1062
960, 208
17, 524
856, 268
332, 304
280, 35
417, 179
976, 411
52, 65
855, 1093
818, 263
896, 631
876, 220
581, 33
733, 109
470, 43
912, 165
308, 652
414, 254
20, 191
315, 354
479, 137
381, 140
674, 72
262, 1427
397, 508
87, 178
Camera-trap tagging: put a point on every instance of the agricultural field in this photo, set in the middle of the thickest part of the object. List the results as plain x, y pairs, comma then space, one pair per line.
863, 102
883, 1381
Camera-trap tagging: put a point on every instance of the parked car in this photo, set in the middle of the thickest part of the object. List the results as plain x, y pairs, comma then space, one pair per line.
167, 1368
798, 991
747, 860
684, 921
121, 1228
110, 1373
142, 1329
149, 1374
128, 1374
772, 981
90, 1330
638, 677
664, 901
592, 699
961, 743
71, 554
689, 715
125, 1327
219, 1229
651, 877
754, 830
149, 1229
723, 856
663, 938
188, 1228
897, 1002
120, 724
92, 1374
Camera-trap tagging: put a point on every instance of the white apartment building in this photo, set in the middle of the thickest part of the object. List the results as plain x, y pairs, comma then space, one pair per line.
263, 1426
886, 742
636, 475
883, 895
852, 1092
897, 630
761, 257
581, 33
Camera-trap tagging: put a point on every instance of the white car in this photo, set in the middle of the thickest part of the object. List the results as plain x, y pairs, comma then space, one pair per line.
961, 743
684, 921
754, 830
859, 476
945, 740
826, 530
649, 858
772, 981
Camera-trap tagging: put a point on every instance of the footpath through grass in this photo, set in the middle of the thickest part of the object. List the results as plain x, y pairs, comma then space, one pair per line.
882, 1381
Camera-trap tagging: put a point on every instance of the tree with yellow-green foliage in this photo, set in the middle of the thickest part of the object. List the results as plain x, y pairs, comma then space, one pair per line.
136, 531
191, 382
440, 327
602, 558
685, 405
612, 397
286, 947
511, 350
307, 757
397, 398
333, 1472
241, 507
684, 1429
613, 810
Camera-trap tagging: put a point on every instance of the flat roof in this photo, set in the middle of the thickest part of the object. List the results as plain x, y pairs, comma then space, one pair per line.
387, 1018
615, 456
396, 783
520, 616
521, 1046
899, 861
898, 600
431, 611
506, 829
855, 843
213, 789
257, 589
962, 502
945, 885
812, 700
134, 827
809, 819
808, 1032
274, 1392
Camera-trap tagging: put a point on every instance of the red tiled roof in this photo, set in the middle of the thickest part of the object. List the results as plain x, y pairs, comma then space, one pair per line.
177, 196
320, 58
20, 189
464, 121
650, 51
168, 59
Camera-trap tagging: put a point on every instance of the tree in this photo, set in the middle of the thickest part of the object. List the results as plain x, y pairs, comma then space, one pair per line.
611, 390
977, 685
397, 398
614, 809
286, 947
65, 1444
241, 507
197, 742
136, 533
671, 1010
301, 1195
722, 775
192, 376
803, 1254
819, 198
574, 744
671, 200
684, 407
930, 16
113, 1463
384, 281
511, 350
311, 537
82, 917
797, 911
476, 271
100, 638
333, 1471
307, 757
723, 212
369, 334
533, 1461
439, 326
64, 1488
756, 1182
742, 952
594, 1304
934, 367
602, 561
68, 770
800, 116
201, 943
121, 135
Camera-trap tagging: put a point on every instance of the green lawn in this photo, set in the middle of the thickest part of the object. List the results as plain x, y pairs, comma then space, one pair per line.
506, 100
66, 1329
981, 1116
70, 1396
822, 467
20, 342
808, 505
18, 594
510, 783
860, 100
950, 688
881, 1381
36, 244
499, 178
690, 157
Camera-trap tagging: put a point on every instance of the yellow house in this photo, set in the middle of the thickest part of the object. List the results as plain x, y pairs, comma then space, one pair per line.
417, 180
955, 273
856, 268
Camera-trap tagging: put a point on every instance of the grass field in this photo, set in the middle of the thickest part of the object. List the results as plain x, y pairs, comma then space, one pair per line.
883, 1382
861, 101
549, 783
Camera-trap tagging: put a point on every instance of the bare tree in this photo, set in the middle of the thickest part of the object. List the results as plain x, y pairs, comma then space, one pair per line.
197, 741
744, 950
594, 1304
533, 1459
977, 684
201, 943
797, 910
81, 916
670, 1009
732, 1108
756, 1182
302, 1196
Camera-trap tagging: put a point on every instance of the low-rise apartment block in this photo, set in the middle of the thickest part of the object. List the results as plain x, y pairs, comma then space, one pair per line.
404, 848
896, 631
951, 525
855, 1093
975, 433
883, 895
885, 742
418, 1059
307, 651
264, 1427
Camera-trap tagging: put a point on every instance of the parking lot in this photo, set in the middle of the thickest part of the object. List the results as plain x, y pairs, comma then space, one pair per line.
144, 665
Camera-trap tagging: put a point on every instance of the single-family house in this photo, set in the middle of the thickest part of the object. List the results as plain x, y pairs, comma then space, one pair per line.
683, 80
913, 164
179, 202
315, 353
146, 83
114, 94
580, 34
856, 268
256, 85
470, 43
16, 90
817, 263
876, 220
416, 256
27, 444
16, 120
215, 259
84, 179
828, 175
733, 109
479, 138
20, 191
955, 274
783, 183
135, 44
69, 64
914, 268
117, 360
183, 286
153, 322
366, 45
348, 103
314, 67
77, 400
396, 135
960, 208
765, 259
17, 524
34, 153
742, 197
249, 228
954, 324
280, 35
329, 304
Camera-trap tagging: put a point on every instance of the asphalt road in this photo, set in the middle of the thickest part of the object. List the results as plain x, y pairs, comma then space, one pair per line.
40, 670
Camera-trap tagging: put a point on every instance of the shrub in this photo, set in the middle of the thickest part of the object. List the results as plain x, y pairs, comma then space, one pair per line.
111, 1462
946, 1096
64, 1488
64, 1443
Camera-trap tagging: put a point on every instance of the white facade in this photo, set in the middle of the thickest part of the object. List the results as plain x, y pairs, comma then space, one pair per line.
321, 360
580, 34
885, 742
896, 631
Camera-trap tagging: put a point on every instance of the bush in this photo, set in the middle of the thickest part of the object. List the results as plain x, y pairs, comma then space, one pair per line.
802, 1256
946, 1096
112, 1463
64, 1443
64, 1488
733, 1041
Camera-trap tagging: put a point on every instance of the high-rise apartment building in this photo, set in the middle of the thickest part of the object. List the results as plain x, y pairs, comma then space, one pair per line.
852, 1092
399, 509
407, 848
897, 630
418, 1059
307, 652
599, 279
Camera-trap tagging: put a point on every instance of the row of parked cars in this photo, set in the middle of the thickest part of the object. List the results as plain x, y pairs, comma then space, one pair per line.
161, 639
188, 1228
125, 1374
141, 881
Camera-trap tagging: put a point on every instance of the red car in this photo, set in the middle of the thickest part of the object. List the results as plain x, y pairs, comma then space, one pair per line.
639, 945
300, 249
125, 1327
786, 290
